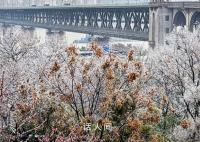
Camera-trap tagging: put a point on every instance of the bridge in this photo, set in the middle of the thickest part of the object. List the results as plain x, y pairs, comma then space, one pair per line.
147, 22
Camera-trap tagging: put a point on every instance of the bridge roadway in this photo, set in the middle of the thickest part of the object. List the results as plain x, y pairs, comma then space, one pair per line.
124, 21
131, 5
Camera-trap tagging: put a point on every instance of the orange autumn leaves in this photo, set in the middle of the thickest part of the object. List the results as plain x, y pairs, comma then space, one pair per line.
103, 87
132, 76
185, 123
23, 107
106, 65
97, 50
55, 67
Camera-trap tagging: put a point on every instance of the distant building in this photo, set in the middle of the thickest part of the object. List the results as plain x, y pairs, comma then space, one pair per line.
119, 1
83, 2
105, 1
91, 1
25, 3
2, 3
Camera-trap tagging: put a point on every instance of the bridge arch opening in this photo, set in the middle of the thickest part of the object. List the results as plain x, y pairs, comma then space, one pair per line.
179, 19
195, 21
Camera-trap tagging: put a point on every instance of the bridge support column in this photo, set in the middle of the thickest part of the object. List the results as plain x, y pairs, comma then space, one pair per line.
49, 31
188, 20
5, 27
160, 24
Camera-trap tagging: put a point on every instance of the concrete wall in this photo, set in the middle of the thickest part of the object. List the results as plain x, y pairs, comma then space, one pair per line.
161, 21
160, 24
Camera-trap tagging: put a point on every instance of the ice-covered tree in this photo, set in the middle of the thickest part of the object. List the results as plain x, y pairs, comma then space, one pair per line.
177, 74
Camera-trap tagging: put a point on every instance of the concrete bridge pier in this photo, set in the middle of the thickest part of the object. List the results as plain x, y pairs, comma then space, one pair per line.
5, 25
5, 28
49, 31
160, 24
164, 16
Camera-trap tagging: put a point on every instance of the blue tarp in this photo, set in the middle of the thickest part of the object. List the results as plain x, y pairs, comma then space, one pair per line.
106, 48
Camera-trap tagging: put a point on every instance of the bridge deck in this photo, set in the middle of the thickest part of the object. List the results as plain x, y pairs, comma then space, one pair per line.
135, 5
124, 21
129, 21
94, 31
180, 4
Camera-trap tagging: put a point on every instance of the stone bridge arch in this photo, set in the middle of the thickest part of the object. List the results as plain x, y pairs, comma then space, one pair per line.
179, 19
195, 20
